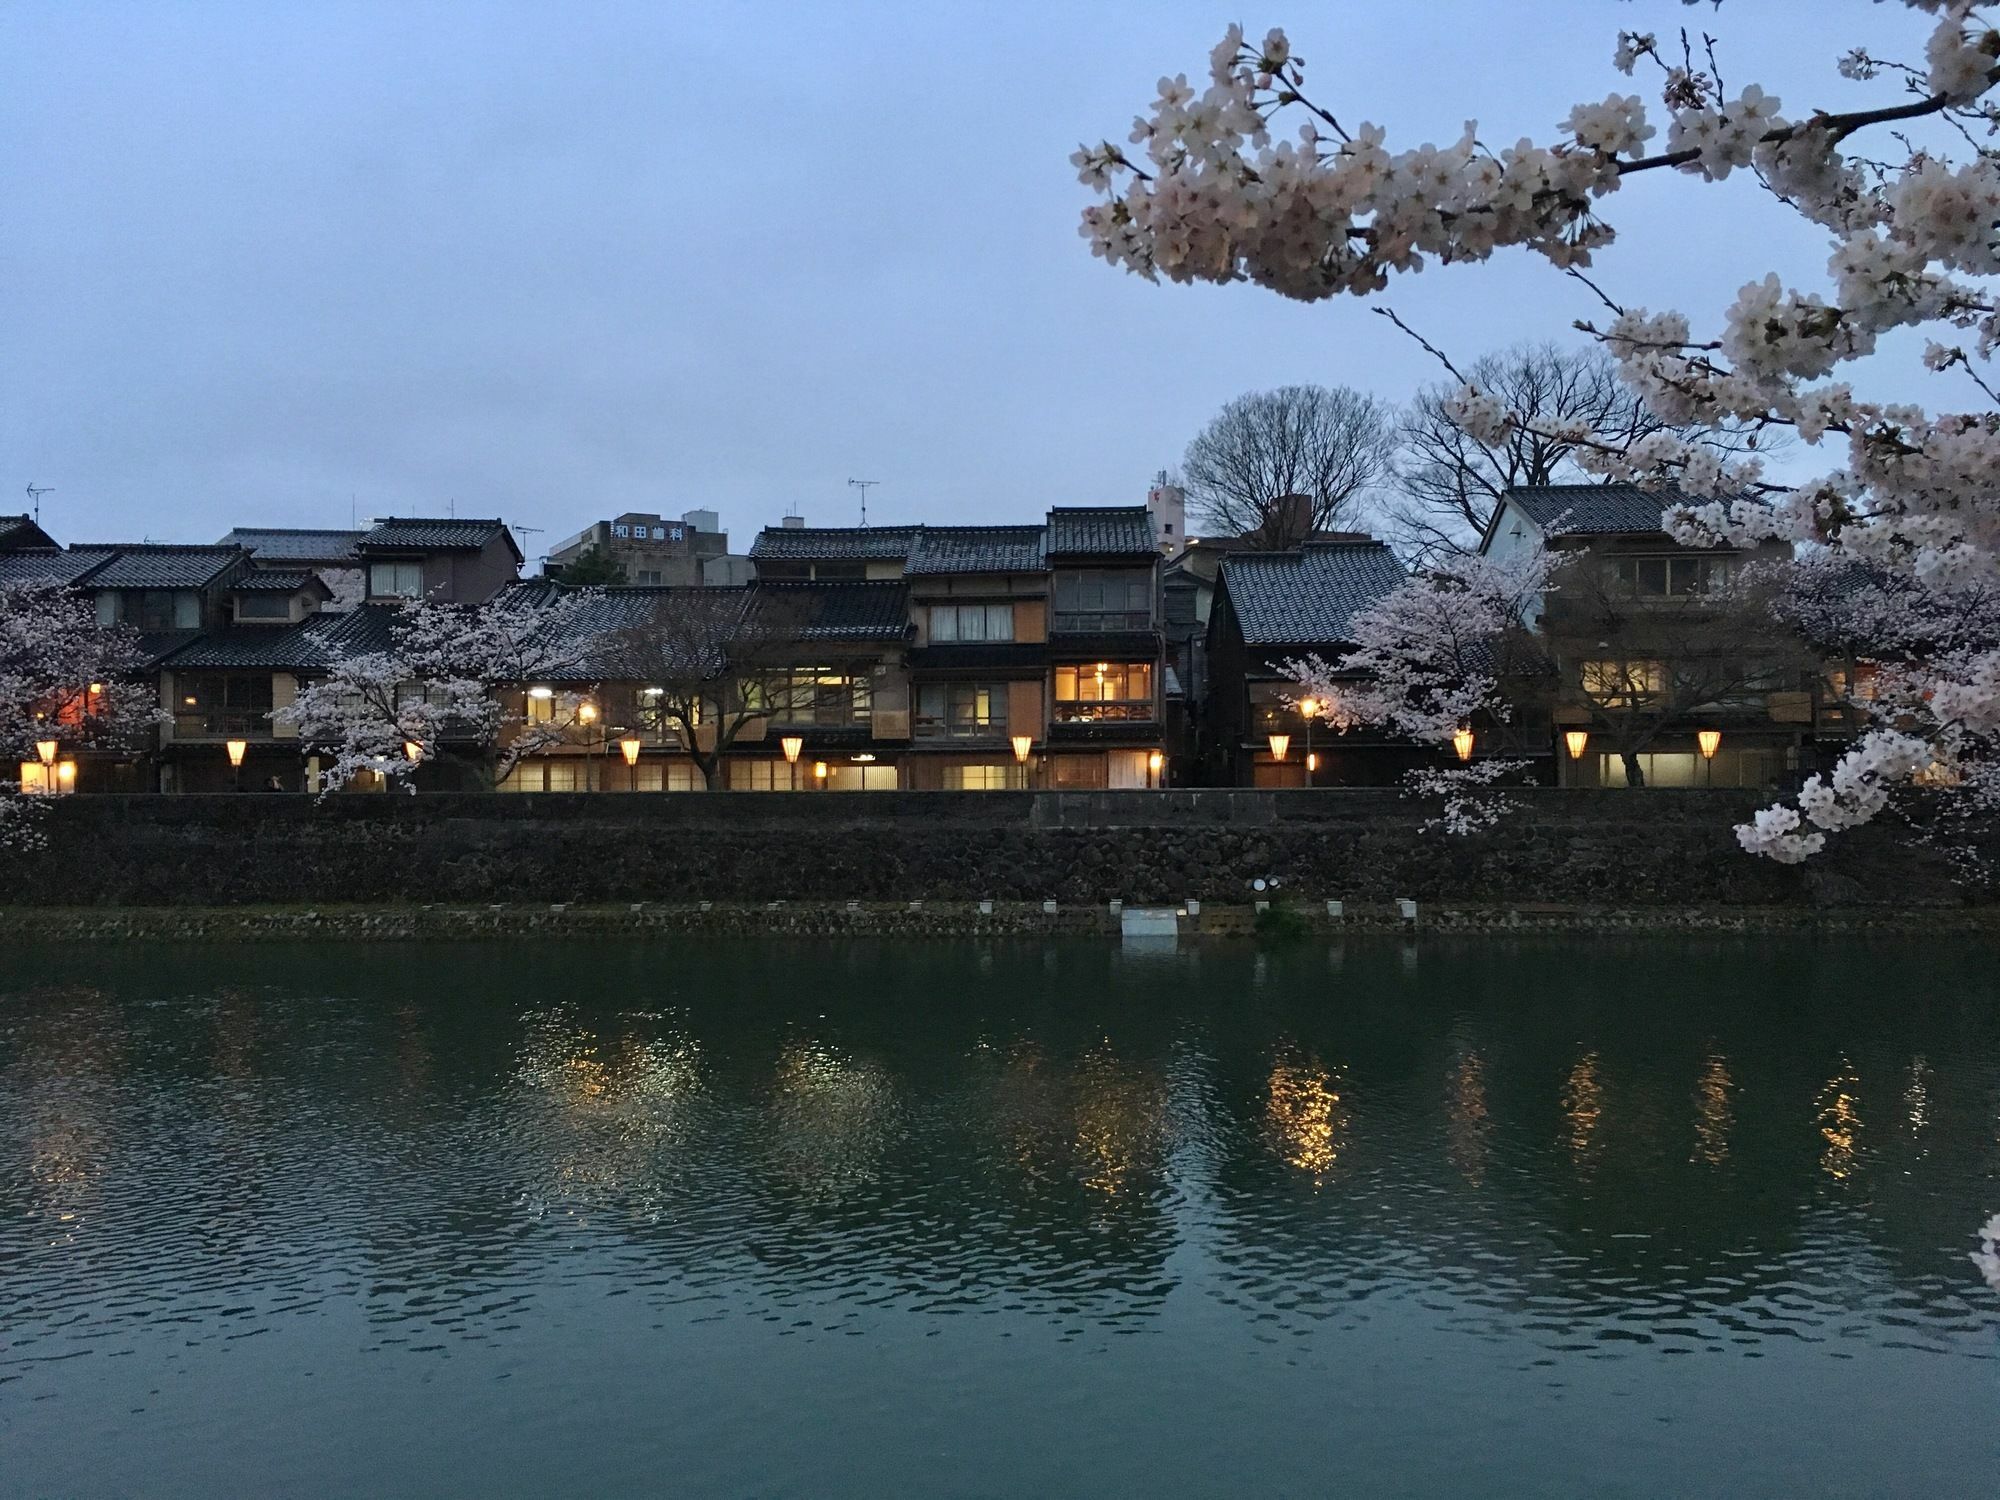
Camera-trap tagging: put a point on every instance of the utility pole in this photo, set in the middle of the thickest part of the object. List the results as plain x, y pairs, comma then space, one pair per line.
863, 486
35, 493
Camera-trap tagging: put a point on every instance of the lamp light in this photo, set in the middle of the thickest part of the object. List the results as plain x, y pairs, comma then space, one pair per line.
1155, 761
1710, 741
819, 770
413, 752
1312, 760
1023, 743
629, 748
586, 712
236, 749
1462, 743
792, 746
1280, 743
66, 776
46, 749
1576, 739
1309, 707
541, 692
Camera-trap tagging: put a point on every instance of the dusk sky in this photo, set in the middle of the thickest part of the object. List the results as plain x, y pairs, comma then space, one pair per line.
276, 264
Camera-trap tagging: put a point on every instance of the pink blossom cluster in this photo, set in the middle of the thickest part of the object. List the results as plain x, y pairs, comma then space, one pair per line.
1909, 492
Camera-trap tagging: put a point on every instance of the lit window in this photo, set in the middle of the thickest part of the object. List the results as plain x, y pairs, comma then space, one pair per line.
953, 623
1623, 681
1104, 690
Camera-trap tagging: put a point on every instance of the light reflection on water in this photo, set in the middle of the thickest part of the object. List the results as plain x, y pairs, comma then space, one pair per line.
506, 1185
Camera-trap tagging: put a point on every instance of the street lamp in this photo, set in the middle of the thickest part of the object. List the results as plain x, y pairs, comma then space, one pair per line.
1308, 708
791, 744
1462, 743
1280, 743
586, 712
236, 749
46, 749
1155, 763
819, 772
1576, 739
629, 748
1710, 741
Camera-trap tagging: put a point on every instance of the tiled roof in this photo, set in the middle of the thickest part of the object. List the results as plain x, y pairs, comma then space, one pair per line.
833, 543
433, 534
837, 611
1308, 596
269, 544
22, 531
152, 565
976, 549
313, 645
1100, 531
271, 581
1595, 509
50, 567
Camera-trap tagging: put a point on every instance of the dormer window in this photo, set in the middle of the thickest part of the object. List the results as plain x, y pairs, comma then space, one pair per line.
263, 606
396, 580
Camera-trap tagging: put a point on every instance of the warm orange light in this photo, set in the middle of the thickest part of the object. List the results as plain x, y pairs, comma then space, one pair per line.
1155, 761
792, 745
66, 776
1576, 739
1710, 741
1280, 743
1462, 743
236, 749
1022, 745
1312, 760
412, 751
819, 770
629, 748
46, 749
1309, 707
586, 712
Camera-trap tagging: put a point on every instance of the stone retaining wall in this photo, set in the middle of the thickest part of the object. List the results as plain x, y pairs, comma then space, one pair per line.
1597, 849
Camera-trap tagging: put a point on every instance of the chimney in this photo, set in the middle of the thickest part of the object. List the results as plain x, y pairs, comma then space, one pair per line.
794, 523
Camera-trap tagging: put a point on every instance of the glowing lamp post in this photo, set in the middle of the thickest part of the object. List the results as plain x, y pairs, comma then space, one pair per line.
1461, 742
1155, 763
819, 772
46, 749
791, 744
237, 750
1280, 743
1709, 741
1576, 739
1309, 710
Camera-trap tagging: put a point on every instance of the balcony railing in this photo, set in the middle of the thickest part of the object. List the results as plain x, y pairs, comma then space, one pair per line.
224, 723
1101, 622
989, 728
1138, 709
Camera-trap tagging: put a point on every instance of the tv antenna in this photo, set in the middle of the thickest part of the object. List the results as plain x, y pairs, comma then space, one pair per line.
36, 491
863, 486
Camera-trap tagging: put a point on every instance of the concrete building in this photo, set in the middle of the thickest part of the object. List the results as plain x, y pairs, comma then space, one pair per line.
650, 550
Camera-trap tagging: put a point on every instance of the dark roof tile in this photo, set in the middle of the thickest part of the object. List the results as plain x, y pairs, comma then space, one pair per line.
151, 565
433, 534
1100, 531
269, 544
976, 549
1595, 509
833, 543
1310, 596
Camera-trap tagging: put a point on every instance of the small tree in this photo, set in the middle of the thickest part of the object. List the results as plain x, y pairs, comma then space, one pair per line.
704, 659
445, 687
64, 678
1279, 465
591, 567
1429, 658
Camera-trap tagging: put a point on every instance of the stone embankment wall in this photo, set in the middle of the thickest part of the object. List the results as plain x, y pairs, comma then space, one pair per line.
1602, 849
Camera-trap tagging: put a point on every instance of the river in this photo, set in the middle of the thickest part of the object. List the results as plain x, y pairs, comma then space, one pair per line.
1663, 1216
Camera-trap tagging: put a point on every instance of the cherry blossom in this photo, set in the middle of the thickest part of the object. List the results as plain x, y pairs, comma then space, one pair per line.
1251, 180
1987, 1256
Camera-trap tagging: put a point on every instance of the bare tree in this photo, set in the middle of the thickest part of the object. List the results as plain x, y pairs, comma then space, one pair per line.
1279, 465
1448, 484
702, 659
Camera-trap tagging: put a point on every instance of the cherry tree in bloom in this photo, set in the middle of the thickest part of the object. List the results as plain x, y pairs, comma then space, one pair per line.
63, 678
445, 684
1426, 660
1222, 187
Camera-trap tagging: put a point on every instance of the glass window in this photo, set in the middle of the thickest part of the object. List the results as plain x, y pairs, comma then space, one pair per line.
846, 776
541, 706
992, 778
1612, 681
396, 580
107, 608
762, 776
263, 607
961, 710
972, 622
1104, 690
1661, 577
1103, 599
567, 776
813, 695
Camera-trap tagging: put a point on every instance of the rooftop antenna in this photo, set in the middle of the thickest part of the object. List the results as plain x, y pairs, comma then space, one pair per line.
863, 485
36, 491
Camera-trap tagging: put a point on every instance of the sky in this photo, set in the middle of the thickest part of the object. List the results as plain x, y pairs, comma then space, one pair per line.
288, 265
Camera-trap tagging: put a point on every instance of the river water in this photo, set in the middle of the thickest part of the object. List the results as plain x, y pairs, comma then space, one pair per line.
1588, 1216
